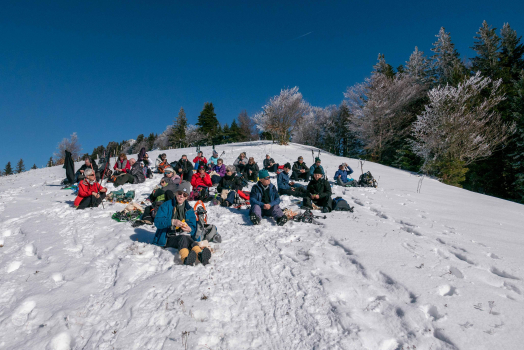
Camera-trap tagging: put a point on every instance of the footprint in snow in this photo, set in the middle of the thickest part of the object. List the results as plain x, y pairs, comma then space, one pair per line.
20, 315
13, 266
447, 290
502, 273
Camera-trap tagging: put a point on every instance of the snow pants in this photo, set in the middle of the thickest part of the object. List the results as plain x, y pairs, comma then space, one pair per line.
321, 202
299, 192
300, 176
91, 201
123, 179
273, 168
275, 211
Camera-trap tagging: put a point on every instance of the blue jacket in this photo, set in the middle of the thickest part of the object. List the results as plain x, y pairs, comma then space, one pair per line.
344, 174
313, 167
283, 181
163, 221
256, 195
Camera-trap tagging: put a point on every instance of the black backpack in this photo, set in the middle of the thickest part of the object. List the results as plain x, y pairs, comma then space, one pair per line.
340, 204
367, 180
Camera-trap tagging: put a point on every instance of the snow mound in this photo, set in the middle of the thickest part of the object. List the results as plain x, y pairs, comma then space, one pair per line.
439, 269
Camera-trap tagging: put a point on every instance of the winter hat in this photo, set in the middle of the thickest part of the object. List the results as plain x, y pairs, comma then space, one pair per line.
317, 159
184, 187
168, 169
287, 165
215, 153
231, 168
317, 171
201, 167
263, 174
300, 158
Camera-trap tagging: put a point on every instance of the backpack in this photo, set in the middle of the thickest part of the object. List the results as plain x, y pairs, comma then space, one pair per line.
160, 168
199, 193
340, 204
205, 231
367, 180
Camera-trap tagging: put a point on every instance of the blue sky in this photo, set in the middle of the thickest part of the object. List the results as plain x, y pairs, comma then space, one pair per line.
110, 70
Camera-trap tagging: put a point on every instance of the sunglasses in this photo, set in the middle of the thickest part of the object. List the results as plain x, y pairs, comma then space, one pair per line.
180, 193
266, 178
91, 175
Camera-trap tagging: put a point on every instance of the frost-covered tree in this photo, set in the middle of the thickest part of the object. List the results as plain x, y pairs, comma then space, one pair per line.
419, 67
380, 110
447, 67
382, 67
460, 126
162, 141
193, 135
72, 145
20, 166
280, 115
178, 135
487, 45
8, 169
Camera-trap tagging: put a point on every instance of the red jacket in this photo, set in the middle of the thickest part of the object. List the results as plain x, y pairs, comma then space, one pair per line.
127, 166
86, 190
196, 180
198, 159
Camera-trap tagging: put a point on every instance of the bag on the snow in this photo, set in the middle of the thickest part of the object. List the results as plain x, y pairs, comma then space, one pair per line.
129, 196
124, 215
367, 180
205, 231
340, 204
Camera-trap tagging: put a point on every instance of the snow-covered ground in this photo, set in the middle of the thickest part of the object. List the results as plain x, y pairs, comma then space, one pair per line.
440, 269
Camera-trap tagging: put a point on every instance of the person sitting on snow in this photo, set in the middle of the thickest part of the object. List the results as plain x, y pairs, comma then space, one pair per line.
201, 183
270, 165
88, 164
161, 163
184, 168
177, 227
265, 200
167, 185
289, 188
300, 170
200, 160
251, 170
240, 163
213, 160
318, 192
90, 193
133, 176
228, 187
148, 173
316, 166
122, 165
341, 176
218, 171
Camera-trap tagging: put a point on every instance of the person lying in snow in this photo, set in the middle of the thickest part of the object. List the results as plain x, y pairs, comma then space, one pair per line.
289, 188
90, 193
341, 176
270, 165
88, 164
184, 168
228, 187
122, 165
218, 171
251, 170
319, 193
133, 176
265, 200
316, 166
176, 228
300, 170
240, 163
161, 163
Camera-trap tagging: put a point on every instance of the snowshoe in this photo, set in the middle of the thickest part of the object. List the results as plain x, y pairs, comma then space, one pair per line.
204, 256
282, 220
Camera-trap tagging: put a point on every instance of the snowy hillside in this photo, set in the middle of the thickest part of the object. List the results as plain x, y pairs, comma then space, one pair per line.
440, 269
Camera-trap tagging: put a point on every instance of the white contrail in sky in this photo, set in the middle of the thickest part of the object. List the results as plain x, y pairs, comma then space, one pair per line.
302, 36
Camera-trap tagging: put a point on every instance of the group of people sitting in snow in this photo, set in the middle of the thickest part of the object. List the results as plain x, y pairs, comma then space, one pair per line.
182, 181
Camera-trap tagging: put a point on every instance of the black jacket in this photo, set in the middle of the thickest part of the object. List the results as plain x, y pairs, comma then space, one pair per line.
84, 167
138, 173
267, 162
320, 187
297, 166
185, 166
229, 183
253, 167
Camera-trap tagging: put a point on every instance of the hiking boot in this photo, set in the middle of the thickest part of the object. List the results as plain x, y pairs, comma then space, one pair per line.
225, 203
191, 258
325, 210
254, 219
281, 220
138, 223
204, 256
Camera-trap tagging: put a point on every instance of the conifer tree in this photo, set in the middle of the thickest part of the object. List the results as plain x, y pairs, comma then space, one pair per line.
235, 132
419, 67
383, 67
8, 170
50, 162
34, 167
447, 67
178, 134
20, 167
207, 121
487, 45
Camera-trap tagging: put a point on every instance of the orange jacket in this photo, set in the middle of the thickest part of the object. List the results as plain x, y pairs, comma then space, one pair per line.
196, 180
86, 190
